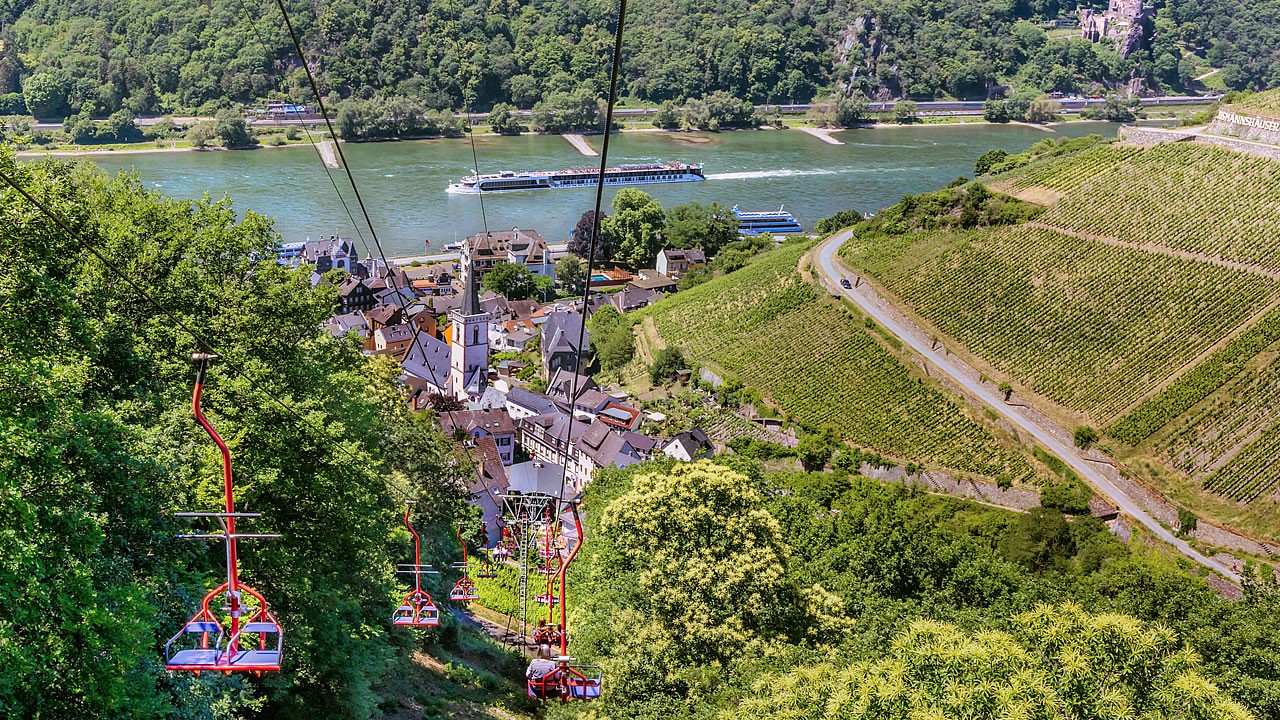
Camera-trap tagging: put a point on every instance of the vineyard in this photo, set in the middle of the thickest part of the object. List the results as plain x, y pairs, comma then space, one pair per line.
812, 357
1182, 196
1229, 443
1197, 384
1266, 103
1094, 326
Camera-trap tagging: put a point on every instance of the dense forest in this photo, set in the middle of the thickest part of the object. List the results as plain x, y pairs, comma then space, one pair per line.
100, 449
707, 590
153, 56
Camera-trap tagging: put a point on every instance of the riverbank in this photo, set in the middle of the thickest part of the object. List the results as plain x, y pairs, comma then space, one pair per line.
117, 149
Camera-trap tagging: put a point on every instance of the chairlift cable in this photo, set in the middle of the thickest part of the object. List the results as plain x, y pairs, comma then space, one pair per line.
595, 235
201, 342
355, 188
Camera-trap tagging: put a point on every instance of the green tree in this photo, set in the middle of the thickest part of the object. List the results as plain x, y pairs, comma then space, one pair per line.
698, 549
45, 95
163, 129
1114, 109
1042, 109
668, 362
571, 273
988, 160
612, 340
232, 130
636, 227
667, 117
1057, 661
504, 120
815, 450
1084, 436
202, 134
905, 112
512, 280
566, 111
709, 227
995, 111
95, 405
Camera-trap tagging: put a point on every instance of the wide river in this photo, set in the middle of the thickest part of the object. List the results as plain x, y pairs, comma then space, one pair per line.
403, 183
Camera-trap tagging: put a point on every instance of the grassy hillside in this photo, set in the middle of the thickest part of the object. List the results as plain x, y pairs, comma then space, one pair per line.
1264, 103
817, 360
1142, 300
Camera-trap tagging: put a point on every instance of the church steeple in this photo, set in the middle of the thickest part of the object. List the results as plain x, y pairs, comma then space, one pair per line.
469, 351
471, 293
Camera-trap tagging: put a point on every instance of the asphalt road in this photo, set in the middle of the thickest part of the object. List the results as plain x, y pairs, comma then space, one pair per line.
832, 272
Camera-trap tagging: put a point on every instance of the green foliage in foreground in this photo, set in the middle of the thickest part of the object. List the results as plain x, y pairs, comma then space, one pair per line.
100, 449
1057, 661
709, 585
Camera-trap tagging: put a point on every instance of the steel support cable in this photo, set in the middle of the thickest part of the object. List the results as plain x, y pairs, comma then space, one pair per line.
355, 189
595, 235
181, 324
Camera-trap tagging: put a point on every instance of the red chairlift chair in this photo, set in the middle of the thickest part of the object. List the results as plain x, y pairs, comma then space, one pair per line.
464, 590
190, 649
560, 677
417, 609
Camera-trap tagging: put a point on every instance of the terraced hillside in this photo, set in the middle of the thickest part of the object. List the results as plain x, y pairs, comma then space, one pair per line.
1266, 104
814, 358
1143, 299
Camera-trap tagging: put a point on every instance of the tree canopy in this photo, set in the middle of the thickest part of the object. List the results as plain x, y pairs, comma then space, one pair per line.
101, 449
148, 56
1057, 662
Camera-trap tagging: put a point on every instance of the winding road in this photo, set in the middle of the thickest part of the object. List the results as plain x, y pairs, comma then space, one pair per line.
824, 258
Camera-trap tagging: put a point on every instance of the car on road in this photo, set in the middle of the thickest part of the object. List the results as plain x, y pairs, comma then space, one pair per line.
844, 283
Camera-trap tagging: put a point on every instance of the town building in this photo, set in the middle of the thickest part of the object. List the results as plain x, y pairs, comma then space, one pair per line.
676, 262
391, 340
592, 446
523, 403
688, 446
477, 424
561, 333
332, 253
341, 324
523, 247
354, 295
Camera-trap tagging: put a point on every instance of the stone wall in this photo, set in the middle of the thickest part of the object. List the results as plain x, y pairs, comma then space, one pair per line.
1246, 127
1135, 135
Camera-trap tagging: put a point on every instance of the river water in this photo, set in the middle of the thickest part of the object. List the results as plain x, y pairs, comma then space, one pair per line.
403, 183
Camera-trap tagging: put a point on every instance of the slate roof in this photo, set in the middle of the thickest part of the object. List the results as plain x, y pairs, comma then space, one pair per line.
428, 359
560, 333
536, 477
534, 402
604, 446
340, 325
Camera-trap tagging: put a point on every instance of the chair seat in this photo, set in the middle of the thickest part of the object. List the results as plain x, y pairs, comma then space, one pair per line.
198, 657
588, 689
256, 660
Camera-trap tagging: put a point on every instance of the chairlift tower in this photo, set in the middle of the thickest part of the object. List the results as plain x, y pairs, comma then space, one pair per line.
524, 513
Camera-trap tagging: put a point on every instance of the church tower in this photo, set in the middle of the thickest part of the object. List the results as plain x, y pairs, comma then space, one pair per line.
469, 342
